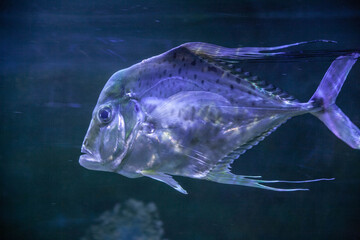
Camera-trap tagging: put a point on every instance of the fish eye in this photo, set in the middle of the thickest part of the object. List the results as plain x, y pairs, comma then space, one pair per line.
105, 115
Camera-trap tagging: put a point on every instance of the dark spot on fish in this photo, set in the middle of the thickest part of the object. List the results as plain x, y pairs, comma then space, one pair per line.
202, 81
211, 116
164, 72
317, 102
195, 76
136, 108
182, 59
249, 92
192, 115
193, 62
227, 74
252, 104
238, 80
231, 87
174, 55
212, 69
217, 80
179, 71
194, 141
170, 75
206, 109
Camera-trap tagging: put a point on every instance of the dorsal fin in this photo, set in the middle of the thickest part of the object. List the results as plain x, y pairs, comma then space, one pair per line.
233, 67
228, 59
241, 53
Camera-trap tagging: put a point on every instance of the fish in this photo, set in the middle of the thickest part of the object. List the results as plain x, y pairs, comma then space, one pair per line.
192, 111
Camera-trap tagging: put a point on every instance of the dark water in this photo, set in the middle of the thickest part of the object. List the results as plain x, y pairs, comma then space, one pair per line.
56, 56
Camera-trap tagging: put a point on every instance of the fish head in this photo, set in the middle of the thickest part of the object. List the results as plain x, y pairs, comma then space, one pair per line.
112, 130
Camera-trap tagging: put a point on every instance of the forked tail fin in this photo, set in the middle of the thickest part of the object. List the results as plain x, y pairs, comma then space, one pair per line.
325, 97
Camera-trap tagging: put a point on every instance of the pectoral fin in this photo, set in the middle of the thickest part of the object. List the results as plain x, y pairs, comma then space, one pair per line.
162, 177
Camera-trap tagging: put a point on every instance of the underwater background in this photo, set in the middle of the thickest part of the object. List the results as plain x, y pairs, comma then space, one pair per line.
56, 56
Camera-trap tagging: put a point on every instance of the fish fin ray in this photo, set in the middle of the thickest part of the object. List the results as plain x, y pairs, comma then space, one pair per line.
224, 164
241, 53
162, 177
249, 181
271, 89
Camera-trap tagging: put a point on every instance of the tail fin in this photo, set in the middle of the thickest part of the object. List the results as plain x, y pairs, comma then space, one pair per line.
325, 97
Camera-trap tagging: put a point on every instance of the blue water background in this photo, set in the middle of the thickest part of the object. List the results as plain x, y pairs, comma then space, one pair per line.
55, 57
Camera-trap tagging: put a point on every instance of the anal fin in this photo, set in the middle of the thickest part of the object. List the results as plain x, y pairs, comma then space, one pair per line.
223, 165
162, 177
254, 181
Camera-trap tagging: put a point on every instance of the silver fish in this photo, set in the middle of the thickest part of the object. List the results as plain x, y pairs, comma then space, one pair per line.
191, 112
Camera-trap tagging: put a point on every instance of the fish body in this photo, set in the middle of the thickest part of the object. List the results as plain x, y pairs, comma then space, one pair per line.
192, 111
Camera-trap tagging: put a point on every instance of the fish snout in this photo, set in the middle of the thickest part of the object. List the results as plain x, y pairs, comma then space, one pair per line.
85, 147
88, 159
86, 151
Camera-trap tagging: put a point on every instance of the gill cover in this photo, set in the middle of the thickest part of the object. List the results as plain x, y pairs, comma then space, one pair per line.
110, 134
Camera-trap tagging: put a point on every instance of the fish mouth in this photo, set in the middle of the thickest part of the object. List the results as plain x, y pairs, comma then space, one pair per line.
86, 151
87, 157
88, 160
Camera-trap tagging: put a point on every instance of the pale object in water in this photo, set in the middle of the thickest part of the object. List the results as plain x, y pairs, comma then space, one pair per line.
191, 112
132, 220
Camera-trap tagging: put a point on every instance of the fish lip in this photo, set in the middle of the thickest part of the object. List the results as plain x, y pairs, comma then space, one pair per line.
87, 156
86, 151
89, 162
